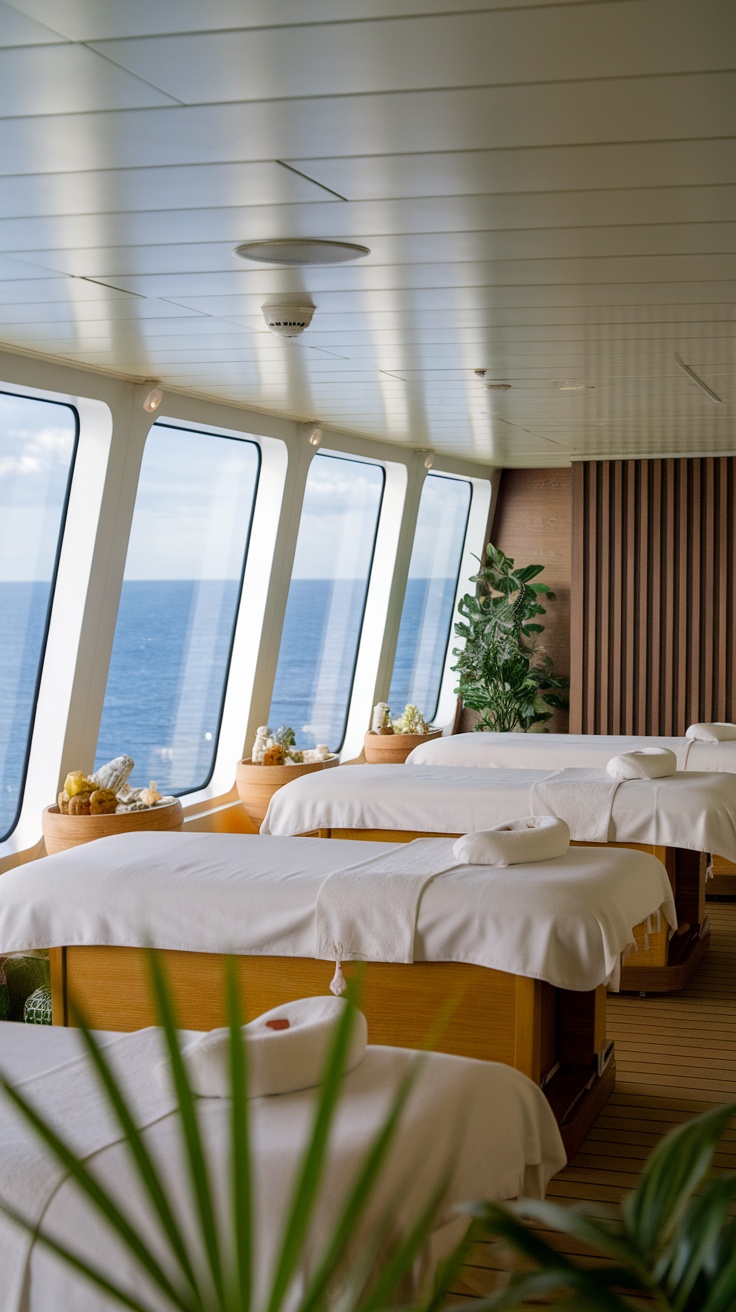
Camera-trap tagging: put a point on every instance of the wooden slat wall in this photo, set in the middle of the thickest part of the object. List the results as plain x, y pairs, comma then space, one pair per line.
653, 612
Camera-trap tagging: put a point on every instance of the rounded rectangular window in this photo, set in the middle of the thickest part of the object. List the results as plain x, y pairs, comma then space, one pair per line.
426, 617
180, 598
38, 442
327, 595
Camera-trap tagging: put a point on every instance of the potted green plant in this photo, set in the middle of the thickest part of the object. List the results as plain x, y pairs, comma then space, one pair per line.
501, 675
670, 1247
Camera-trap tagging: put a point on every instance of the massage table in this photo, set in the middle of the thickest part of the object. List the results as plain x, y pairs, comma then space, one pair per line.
508, 1145
539, 751
554, 750
678, 818
523, 955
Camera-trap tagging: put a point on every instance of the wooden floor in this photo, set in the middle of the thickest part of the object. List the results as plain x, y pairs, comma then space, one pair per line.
676, 1056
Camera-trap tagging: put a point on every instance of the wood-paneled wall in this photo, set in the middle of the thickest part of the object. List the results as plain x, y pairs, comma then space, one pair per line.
653, 613
532, 525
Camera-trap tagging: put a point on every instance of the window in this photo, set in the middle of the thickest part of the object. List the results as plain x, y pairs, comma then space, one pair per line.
324, 612
430, 594
38, 441
180, 598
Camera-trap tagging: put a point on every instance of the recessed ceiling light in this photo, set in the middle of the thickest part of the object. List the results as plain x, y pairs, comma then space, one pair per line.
295, 251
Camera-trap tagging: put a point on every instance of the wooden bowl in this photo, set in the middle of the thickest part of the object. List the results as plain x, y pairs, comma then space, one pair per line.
393, 748
64, 831
256, 784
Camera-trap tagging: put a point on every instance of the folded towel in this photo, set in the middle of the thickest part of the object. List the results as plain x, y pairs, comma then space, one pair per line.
718, 732
517, 842
582, 798
368, 912
286, 1049
645, 763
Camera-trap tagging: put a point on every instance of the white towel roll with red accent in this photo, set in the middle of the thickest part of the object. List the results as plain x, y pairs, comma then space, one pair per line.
286, 1049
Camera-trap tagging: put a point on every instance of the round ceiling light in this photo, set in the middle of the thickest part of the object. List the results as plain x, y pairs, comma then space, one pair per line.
296, 251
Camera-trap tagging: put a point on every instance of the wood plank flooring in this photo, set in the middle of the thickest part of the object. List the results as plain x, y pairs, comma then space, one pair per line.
675, 1056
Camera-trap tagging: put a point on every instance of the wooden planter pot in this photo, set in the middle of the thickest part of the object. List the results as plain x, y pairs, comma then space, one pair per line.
393, 748
64, 831
256, 784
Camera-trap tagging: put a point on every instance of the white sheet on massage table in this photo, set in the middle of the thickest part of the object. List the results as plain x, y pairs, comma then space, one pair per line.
564, 921
539, 751
511, 1147
690, 810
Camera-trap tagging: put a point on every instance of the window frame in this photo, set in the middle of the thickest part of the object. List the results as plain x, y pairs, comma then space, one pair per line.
227, 667
64, 405
375, 464
482, 503
449, 478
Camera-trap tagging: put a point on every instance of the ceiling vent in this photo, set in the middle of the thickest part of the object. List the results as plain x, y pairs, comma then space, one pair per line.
298, 251
288, 320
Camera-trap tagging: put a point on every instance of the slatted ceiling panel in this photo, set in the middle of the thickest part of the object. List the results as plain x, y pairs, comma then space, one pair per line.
511, 165
615, 174
652, 250
17, 29
106, 18
459, 49
676, 1058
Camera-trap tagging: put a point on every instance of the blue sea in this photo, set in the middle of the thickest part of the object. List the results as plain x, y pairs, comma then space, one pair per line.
170, 661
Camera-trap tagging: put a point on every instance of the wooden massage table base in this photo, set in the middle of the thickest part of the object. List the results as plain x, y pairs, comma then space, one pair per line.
723, 883
660, 964
556, 1037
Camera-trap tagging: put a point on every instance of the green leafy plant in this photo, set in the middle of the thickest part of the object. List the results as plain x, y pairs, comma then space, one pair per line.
671, 1246
368, 1281
500, 673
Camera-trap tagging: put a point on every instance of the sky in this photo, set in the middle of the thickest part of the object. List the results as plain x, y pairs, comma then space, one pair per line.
194, 504
36, 448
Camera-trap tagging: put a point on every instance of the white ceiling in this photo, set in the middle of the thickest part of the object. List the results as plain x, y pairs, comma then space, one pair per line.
547, 191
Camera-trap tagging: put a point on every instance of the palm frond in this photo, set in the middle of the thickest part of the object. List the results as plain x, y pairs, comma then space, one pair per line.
192, 1139
240, 1181
146, 1168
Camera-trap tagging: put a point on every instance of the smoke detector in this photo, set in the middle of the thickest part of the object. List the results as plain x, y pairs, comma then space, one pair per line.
288, 320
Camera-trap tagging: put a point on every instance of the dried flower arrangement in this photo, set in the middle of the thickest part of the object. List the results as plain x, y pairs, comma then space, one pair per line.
280, 748
411, 720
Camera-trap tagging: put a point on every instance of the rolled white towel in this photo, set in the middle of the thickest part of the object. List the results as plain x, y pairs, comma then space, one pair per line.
286, 1049
514, 843
717, 732
644, 763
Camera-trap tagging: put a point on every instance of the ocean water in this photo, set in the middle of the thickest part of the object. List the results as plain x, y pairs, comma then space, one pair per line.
23, 611
170, 661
